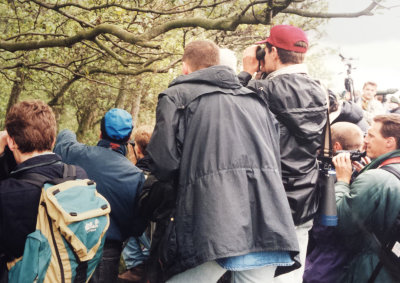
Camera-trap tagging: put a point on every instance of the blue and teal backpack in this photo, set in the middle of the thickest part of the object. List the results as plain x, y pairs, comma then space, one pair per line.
70, 232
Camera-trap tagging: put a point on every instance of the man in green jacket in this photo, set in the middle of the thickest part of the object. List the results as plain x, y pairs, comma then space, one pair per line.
370, 205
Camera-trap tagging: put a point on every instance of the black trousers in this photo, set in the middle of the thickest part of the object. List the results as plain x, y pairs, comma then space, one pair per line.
107, 270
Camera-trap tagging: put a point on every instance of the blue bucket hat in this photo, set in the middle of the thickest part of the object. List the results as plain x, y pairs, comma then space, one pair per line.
117, 125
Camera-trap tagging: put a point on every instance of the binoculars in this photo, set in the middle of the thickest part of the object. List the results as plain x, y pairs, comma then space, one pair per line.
260, 53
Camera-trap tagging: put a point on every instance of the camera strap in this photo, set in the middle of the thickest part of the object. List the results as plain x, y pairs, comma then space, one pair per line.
326, 151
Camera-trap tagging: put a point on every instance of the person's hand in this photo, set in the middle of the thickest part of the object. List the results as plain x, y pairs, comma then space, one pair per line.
3, 140
343, 167
359, 166
366, 160
250, 62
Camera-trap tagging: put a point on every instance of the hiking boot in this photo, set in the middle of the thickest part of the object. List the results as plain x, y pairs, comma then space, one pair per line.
135, 274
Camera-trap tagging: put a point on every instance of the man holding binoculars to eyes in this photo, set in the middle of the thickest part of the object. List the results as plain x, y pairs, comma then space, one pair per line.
299, 105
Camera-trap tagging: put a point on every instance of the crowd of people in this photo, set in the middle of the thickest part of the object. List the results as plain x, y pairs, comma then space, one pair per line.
226, 186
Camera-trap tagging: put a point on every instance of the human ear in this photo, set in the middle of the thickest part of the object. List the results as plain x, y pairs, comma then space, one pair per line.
337, 146
12, 145
391, 143
185, 68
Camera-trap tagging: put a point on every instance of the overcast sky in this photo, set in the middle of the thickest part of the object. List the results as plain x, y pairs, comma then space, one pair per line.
374, 42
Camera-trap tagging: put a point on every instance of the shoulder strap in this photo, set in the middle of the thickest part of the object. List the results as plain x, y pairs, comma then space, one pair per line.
392, 170
35, 179
392, 231
38, 179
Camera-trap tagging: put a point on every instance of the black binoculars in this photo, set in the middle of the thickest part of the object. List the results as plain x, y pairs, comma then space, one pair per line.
260, 53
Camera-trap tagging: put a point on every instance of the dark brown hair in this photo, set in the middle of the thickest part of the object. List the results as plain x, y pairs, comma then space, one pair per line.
289, 57
201, 54
390, 126
32, 125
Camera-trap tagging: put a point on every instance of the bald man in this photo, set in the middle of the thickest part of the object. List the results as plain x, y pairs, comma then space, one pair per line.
346, 136
325, 261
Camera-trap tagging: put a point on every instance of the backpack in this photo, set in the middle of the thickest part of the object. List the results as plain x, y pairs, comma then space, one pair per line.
70, 231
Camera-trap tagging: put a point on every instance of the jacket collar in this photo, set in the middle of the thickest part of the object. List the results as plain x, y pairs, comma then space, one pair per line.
120, 148
291, 69
377, 162
37, 161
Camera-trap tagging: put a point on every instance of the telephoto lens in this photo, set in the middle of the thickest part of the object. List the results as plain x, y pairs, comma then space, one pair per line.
328, 201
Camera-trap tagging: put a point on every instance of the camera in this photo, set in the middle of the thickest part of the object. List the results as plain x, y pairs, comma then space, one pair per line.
260, 53
355, 155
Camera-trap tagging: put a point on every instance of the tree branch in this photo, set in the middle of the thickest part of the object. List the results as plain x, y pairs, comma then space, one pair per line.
365, 12
82, 35
227, 24
127, 8
89, 71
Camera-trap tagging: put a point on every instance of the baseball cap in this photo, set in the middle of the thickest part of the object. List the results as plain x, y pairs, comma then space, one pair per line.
117, 125
285, 37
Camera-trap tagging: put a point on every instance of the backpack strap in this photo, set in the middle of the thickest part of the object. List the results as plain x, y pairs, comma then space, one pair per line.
37, 179
392, 170
392, 232
69, 173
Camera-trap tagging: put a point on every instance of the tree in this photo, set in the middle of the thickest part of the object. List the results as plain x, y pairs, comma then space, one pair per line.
123, 52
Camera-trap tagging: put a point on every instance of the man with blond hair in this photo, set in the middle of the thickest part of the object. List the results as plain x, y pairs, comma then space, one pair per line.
218, 143
370, 104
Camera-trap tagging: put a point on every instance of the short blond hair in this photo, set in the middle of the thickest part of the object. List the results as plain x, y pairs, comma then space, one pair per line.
200, 54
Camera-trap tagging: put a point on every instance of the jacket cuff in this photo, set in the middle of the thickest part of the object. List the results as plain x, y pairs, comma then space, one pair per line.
244, 78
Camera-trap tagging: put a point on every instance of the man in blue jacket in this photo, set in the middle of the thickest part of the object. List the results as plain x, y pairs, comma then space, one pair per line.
118, 180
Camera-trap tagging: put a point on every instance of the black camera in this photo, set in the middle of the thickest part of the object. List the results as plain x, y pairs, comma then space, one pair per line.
355, 155
260, 53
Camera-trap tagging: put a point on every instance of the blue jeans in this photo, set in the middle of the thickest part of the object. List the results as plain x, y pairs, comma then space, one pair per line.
136, 251
107, 270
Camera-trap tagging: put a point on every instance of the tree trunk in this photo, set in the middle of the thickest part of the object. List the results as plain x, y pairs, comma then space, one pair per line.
16, 89
86, 122
135, 106
120, 101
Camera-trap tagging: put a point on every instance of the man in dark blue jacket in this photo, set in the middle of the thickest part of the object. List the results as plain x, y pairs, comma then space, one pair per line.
118, 180
25, 148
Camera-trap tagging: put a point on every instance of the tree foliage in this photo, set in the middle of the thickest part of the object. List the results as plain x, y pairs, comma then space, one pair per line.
85, 56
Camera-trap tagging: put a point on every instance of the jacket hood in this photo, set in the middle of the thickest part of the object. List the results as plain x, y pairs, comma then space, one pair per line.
221, 76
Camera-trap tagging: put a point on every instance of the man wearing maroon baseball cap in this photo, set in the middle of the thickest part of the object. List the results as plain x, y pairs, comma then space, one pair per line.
299, 105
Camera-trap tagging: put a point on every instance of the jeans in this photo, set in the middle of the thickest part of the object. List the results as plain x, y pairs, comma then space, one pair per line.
136, 251
211, 271
296, 276
107, 270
